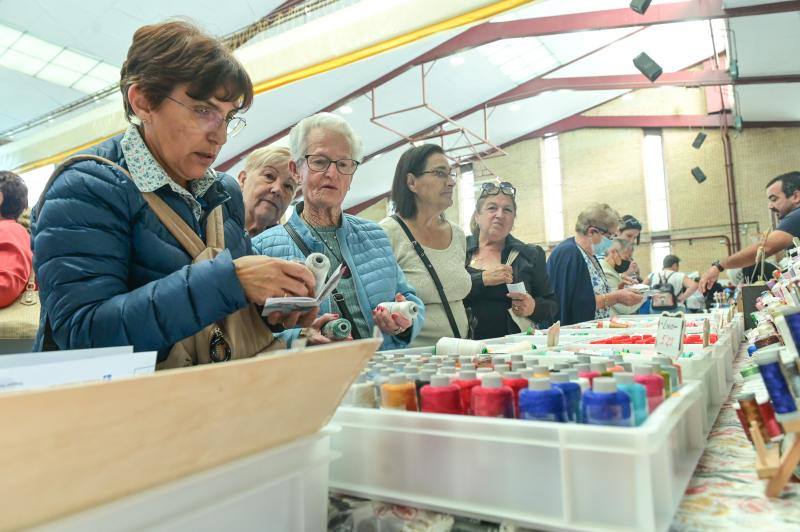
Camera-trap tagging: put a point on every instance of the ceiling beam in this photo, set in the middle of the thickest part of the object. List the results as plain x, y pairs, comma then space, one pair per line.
596, 20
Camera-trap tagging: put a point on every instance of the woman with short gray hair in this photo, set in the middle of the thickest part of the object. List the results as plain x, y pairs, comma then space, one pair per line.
576, 273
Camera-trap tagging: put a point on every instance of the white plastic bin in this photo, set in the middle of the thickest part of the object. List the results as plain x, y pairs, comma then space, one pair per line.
534, 474
285, 488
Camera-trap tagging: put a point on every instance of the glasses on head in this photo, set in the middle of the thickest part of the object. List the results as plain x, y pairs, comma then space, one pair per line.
320, 163
441, 174
490, 189
209, 119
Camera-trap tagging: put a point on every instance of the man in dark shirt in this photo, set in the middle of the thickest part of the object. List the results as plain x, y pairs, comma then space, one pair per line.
783, 196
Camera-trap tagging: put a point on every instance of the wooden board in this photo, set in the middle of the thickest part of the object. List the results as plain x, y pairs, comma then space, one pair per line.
72, 448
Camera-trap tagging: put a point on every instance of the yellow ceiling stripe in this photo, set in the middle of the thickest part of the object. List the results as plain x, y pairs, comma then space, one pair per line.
389, 44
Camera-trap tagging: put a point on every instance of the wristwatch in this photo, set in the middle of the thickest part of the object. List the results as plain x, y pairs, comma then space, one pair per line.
718, 266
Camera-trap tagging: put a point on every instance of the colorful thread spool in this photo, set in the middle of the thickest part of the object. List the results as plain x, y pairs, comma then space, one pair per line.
408, 309
423, 378
585, 372
653, 384
319, 265
466, 381
667, 365
636, 392
543, 402
768, 415
399, 394
572, 395
657, 369
361, 394
751, 413
514, 380
605, 405
772, 372
440, 397
492, 399
459, 346
540, 372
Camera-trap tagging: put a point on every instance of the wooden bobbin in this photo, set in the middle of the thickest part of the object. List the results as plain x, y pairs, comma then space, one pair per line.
767, 457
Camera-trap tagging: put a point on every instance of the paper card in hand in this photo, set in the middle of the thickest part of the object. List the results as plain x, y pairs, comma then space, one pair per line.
285, 305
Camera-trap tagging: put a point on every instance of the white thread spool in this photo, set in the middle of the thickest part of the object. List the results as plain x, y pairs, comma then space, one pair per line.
319, 265
361, 394
459, 347
407, 309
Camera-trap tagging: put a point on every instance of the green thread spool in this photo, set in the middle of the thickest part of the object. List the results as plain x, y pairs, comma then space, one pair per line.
337, 329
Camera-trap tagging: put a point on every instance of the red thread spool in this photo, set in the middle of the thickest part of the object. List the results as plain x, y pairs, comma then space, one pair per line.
514, 380
586, 371
492, 399
742, 420
768, 416
466, 381
440, 397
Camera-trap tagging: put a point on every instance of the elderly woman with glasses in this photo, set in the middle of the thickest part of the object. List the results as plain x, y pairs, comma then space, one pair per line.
576, 272
111, 272
325, 153
429, 248
496, 260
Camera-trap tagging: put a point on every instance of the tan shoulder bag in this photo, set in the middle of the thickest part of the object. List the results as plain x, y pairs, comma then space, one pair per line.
20, 320
242, 334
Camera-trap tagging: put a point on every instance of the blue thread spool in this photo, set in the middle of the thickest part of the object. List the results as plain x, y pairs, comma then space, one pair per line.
572, 395
772, 372
542, 402
636, 392
788, 324
605, 405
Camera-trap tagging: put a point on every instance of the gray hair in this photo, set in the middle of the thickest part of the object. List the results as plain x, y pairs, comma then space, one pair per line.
599, 215
621, 244
298, 136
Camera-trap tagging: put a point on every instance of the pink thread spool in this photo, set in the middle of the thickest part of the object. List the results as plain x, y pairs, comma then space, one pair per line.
653, 383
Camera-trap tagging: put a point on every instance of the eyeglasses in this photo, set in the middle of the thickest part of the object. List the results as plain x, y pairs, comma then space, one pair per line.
210, 119
492, 189
320, 163
602, 230
441, 174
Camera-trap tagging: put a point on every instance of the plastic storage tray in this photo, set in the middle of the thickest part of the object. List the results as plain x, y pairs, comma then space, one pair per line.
536, 474
285, 488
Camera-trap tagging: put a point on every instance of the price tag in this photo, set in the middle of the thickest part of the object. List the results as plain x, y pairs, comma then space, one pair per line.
553, 333
706, 333
669, 338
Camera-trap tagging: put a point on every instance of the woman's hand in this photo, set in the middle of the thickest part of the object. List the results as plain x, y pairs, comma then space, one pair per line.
392, 324
265, 277
499, 274
626, 297
314, 334
522, 303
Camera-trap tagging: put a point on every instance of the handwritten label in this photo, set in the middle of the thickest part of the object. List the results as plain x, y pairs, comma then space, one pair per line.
553, 333
669, 338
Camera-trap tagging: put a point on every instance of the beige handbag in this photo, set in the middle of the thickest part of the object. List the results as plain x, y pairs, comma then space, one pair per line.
242, 334
522, 322
20, 320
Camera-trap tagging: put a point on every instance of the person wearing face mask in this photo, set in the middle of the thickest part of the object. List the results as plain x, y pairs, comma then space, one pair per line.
267, 188
577, 276
615, 265
496, 259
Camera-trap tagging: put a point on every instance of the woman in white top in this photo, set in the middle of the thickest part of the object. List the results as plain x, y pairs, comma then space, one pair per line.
422, 190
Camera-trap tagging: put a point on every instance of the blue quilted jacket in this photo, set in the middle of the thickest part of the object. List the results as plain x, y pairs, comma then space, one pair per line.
366, 249
111, 274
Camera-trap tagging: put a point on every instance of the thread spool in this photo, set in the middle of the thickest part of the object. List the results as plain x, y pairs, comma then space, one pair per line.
572, 395
542, 401
653, 384
399, 393
338, 329
605, 405
440, 397
751, 413
666, 364
657, 369
319, 265
407, 309
361, 394
514, 380
423, 378
768, 415
636, 392
459, 346
467, 379
585, 372
492, 399
780, 393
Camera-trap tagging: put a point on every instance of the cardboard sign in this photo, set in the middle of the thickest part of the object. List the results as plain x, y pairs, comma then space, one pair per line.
669, 338
553, 333
706, 333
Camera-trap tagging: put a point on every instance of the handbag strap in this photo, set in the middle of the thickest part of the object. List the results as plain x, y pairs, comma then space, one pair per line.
432, 271
335, 294
186, 237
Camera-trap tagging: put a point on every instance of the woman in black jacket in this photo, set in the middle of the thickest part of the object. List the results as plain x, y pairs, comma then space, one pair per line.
496, 259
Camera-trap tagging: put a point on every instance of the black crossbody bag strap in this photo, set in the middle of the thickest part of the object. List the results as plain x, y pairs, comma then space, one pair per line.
432, 271
336, 295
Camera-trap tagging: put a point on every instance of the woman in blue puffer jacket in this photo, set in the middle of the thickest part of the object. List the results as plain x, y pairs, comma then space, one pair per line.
325, 152
110, 272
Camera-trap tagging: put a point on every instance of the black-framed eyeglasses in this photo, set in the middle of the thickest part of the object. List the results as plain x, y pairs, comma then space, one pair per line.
491, 188
441, 174
320, 163
209, 119
602, 230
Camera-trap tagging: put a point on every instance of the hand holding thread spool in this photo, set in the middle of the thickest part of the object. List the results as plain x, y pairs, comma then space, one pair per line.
407, 309
393, 322
338, 329
319, 265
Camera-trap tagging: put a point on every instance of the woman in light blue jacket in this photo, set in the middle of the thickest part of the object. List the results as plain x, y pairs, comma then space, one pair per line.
325, 153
